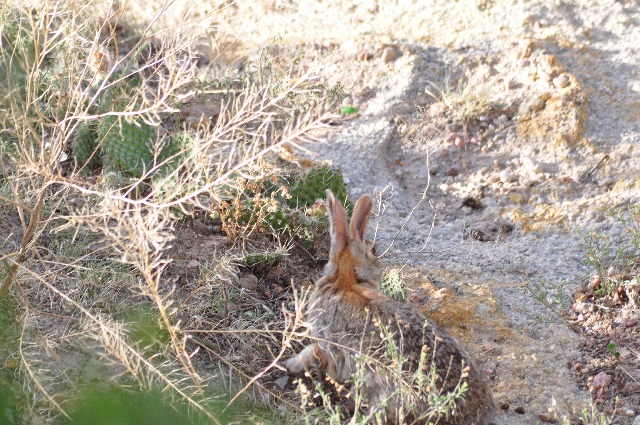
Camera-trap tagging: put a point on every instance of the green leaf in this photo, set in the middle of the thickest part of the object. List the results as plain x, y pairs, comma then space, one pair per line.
348, 110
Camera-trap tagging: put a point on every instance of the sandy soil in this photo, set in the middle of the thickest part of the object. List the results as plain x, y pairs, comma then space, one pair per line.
528, 126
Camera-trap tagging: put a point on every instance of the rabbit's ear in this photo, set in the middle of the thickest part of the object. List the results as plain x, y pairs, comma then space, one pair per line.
338, 224
360, 218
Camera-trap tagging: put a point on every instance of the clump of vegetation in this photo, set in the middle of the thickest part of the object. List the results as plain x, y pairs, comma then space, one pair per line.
288, 204
99, 84
320, 403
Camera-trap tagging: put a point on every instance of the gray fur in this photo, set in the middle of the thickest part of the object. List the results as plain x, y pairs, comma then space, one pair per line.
344, 316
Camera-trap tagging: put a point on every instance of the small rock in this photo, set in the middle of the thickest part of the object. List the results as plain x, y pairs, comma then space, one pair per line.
608, 409
363, 56
193, 264
416, 297
519, 410
238, 65
536, 105
278, 289
201, 228
473, 203
531, 165
282, 381
628, 412
276, 272
248, 281
517, 198
600, 381
636, 421
506, 176
561, 81
513, 84
452, 172
545, 76
503, 118
547, 417
583, 307
631, 322
389, 54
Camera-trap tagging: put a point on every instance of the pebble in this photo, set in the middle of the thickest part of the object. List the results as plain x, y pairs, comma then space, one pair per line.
363, 56
628, 412
561, 81
248, 281
238, 65
600, 381
546, 417
545, 76
282, 382
631, 323
503, 118
490, 372
389, 54
535, 105
193, 264
513, 84
506, 176
636, 421
416, 297
517, 198
202, 228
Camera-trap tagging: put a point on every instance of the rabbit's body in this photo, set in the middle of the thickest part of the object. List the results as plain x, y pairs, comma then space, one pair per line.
348, 314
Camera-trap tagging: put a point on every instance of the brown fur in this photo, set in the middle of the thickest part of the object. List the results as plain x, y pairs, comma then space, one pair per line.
346, 312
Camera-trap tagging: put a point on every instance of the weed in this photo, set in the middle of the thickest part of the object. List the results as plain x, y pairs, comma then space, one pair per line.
554, 296
463, 100
587, 416
79, 81
612, 348
336, 403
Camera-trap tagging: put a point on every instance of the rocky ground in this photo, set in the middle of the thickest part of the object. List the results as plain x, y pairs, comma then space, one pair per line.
491, 131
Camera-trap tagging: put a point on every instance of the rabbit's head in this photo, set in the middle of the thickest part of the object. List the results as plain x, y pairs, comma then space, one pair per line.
352, 258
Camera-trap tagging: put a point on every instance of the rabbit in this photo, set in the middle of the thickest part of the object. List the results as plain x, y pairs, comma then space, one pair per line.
347, 313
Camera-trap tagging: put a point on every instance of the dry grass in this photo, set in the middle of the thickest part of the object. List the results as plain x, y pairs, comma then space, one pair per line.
87, 247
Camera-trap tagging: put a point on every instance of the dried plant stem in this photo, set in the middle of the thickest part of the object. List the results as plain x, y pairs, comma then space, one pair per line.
130, 350
27, 240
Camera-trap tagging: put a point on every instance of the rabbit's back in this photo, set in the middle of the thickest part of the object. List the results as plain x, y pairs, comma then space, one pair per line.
367, 321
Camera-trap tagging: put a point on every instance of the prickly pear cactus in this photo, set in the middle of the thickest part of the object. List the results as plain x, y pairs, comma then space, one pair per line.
84, 146
130, 146
176, 149
287, 204
313, 185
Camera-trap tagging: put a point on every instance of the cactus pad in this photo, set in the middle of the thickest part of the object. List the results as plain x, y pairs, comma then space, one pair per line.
313, 185
129, 146
84, 145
